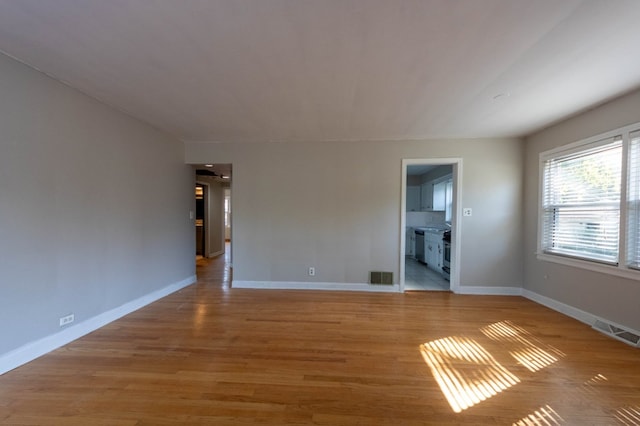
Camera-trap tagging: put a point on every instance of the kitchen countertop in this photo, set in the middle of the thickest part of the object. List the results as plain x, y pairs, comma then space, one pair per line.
432, 229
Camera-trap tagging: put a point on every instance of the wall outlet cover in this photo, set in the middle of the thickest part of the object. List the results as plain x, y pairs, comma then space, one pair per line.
66, 320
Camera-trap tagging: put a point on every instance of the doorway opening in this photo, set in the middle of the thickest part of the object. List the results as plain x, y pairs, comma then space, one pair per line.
215, 180
429, 224
202, 191
227, 223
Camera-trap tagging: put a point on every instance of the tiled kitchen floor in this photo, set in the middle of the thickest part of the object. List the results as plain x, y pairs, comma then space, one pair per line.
418, 277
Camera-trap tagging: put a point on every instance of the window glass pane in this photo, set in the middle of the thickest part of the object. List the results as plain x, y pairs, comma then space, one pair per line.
633, 201
581, 202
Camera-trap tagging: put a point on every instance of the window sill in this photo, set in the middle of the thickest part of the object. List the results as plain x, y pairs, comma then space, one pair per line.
619, 271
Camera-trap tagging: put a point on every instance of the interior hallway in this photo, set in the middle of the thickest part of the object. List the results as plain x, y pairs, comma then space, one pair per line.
209, 354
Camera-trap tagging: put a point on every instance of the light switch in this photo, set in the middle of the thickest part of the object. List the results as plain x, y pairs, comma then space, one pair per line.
467, 212
191, 214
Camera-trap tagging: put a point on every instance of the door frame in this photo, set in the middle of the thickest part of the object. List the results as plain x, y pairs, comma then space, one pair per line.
456, 215
205, 220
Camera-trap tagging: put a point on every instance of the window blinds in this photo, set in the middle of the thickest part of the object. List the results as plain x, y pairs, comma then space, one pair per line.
581, 202
633, 201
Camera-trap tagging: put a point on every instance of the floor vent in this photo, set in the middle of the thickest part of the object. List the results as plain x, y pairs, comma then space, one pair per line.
379, 277
630, 337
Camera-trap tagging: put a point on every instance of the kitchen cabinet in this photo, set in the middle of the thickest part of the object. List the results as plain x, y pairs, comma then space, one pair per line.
413, 198
433, 251
426, 196
410, 243
430, 196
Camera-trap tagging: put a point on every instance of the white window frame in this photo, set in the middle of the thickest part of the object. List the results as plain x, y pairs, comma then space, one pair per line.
621, 269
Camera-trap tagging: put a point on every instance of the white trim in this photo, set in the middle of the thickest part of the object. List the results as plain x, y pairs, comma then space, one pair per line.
456, 226
296, 285
619, 271
206, 224
563, 308
218, 253
456, 219
33, 350
576, 145
575, 313
489, 291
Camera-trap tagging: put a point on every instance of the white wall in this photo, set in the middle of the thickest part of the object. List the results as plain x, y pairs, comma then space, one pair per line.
337, 207
94, 208
609, 297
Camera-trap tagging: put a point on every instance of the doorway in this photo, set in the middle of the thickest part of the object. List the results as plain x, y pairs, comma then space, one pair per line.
202, 191
213, 209
429, 224
227, 223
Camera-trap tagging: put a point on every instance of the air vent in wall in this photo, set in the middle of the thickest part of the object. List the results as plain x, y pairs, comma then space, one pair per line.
627, 336
379, 277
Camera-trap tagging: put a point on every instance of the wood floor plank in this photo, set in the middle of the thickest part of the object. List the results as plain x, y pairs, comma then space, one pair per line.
209, 354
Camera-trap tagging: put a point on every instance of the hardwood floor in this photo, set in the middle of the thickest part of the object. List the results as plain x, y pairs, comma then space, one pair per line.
214, 355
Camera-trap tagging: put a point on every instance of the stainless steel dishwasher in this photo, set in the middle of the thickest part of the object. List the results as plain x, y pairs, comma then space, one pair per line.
420, 245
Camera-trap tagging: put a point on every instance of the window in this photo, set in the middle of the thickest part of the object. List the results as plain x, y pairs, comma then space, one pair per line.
581, 204
227, 208
443, 196
633, 202
584, 188
448, 208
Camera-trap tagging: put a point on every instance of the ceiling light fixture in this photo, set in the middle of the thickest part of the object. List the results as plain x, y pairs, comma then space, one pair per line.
208, 165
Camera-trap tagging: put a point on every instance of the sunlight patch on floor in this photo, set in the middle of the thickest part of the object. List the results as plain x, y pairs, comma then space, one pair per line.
628, 415
531, 354
544, 416
466, 373
590, 387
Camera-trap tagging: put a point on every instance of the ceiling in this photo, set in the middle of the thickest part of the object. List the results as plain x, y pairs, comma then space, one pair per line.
322, 70
221, 172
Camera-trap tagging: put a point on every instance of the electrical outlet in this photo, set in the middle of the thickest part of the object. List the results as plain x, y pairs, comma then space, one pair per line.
312, 271
467, 212
66, 320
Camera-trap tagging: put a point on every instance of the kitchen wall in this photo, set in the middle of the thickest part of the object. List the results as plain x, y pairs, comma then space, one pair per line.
610, 297
424, 218
436, 173
337, 207
94, 213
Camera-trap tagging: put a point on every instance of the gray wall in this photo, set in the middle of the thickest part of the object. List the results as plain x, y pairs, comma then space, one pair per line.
94, 207
610, 297
336, 206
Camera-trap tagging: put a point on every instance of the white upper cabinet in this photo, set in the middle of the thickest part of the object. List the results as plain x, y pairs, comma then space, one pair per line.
413, 198
431, 192
426, 196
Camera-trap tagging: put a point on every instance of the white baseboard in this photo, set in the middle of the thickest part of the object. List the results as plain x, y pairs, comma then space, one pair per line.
293, 285
489, 291
568, 310
218, 253
33, 350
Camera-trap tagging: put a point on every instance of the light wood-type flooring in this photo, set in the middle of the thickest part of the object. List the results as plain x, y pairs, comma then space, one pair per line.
218, 356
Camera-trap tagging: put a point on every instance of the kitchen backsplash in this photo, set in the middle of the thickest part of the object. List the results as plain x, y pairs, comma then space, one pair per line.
424, 218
